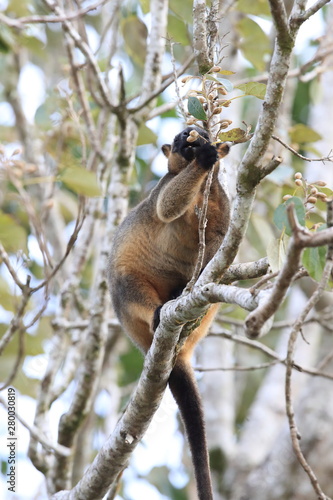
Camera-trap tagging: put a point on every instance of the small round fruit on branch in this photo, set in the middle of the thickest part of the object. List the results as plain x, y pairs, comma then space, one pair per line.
191, 121
194, 134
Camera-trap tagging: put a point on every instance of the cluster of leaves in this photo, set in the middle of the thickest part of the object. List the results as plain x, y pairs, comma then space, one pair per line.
210, 99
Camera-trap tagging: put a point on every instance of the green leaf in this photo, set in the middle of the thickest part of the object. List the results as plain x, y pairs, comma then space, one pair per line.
42, 117
212, 78
226, 72
32, 43
7, 39
195, 108
146, 136
236, 135
254, 43
314, 260
177, 30
227, 84
12, 235
253, 88
145, 6
280, 217
257, 8
135, 36
301, 133
276, 253
221, 81
19, 7
7, 301
131, 364
80, 180
260, 232
182, 9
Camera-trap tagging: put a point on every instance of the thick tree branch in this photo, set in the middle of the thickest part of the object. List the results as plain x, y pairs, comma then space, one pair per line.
152, 76
280, 19
200, 45
114, 455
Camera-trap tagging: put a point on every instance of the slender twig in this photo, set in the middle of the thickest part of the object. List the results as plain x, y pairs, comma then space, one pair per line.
166, 83
263, 281
34, 218
5, 259
237, 368
295, 436
78, 224
329, 157
301, 238
36, 434
202, 232
18, 23
253, 344
180, 103
312, 10
87, 52
301, 71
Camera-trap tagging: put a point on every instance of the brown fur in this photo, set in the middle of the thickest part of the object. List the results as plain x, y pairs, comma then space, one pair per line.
154, 254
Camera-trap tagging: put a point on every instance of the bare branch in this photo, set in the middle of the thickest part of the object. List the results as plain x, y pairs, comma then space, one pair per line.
280, 19
200, 45
87, 52
295, 436
237, 368
179, 99
114, 455
301, 238
253, 344
304, 16
329, 157
152, 76
78, 225
166, 83
87, 379
5, 259
20, 22
36, 434
247, 270
301, 71
202, 215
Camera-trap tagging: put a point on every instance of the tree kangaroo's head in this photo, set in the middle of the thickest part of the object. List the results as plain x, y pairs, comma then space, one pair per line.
181, 152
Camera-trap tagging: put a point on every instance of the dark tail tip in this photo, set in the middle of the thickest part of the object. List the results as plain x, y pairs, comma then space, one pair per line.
185, 391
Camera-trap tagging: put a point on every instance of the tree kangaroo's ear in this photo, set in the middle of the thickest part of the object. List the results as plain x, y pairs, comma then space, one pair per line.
166, 148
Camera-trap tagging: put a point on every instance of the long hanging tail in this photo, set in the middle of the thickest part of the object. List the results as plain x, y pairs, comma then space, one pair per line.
185, 391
